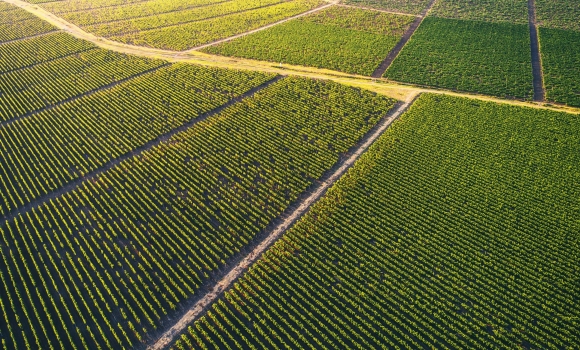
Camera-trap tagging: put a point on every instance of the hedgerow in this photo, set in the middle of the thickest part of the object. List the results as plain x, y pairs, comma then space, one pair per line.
560, 50
343, 39
127, 248
457, 229
488, 58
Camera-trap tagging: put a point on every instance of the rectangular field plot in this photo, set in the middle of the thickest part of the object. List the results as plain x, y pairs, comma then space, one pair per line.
405, 6
177, 25
562, 14
461, 209
561, 63
512, 11
338, 38
488, 58
128, 248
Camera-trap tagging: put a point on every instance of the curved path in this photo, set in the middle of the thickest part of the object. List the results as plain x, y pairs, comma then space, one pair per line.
381, 86
302, 207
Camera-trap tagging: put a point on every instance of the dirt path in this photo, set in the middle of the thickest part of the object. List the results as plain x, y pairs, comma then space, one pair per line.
391, 89
302, 207
71, 186
380, 71
320, 8
538, 75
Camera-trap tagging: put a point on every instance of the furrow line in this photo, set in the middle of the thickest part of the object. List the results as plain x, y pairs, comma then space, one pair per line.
73, 185
88, 93
285, 221
380, 71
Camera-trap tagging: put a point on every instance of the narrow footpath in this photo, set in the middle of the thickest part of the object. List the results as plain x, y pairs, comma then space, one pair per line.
302, 207
538, 75
380, 71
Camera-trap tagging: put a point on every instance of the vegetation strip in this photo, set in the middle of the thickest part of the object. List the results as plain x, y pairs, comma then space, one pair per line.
28, 37
320, 8
539, 91
106, 87
380, 71
300, 209
134, 153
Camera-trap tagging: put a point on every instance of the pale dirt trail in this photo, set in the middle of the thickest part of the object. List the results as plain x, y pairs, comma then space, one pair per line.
381, 86
236, 272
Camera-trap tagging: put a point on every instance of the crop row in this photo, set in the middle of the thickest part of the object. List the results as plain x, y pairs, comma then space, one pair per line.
189, 35
48, 150
339, 38
488, 58
138, 10
18, 23
405, 6
28, 52
102, 265
456, 230
178, 18
28, 90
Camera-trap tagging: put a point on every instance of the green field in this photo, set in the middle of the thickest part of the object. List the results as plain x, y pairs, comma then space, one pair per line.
487, 58
16, 23
561, 63
558, 14
343, 39
512, 11
457, 230
406, 6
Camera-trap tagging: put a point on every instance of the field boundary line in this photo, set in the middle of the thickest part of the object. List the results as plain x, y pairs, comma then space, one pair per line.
309, 12
73, 185
287, 221
382, 68
377, 10
84, 94
30, 37
537, 73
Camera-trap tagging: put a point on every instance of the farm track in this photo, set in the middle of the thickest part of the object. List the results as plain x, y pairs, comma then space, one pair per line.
320, 8
27, 37
155, 14
283, 223
71, 186
380, 71
88, 93
538, 76
379, 85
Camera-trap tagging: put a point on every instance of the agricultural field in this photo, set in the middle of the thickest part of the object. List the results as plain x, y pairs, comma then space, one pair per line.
16, 23
561, 62
414, 7
465, 55
558, 14
511, 11
175, 25
457, 229
339, 38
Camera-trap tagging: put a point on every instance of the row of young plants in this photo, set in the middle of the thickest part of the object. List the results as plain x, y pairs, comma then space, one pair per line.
48, 150
28, 52
338, 38
560, 50
189, 35
141, 9
103, 265
157, 21
25, 91
457, 229
465, 55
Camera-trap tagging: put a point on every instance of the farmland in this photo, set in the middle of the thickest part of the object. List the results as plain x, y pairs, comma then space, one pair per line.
511, 11
456, 230
558, 14
405, 6
488, 58
343, 39
17, 24
561, 61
